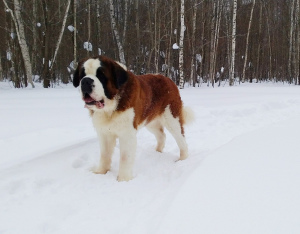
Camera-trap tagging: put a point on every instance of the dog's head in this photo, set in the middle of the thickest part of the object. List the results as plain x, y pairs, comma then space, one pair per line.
100, 79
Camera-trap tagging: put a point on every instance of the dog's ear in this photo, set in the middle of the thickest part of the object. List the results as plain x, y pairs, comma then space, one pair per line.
76, 78
121, 75
79, 73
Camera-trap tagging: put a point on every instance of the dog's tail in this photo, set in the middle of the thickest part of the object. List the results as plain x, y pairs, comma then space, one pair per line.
188, 115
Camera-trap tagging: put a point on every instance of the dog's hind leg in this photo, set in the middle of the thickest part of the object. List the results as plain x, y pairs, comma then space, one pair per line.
175, 127
158, 130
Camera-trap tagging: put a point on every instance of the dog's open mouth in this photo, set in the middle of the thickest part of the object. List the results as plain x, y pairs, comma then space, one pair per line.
89, 101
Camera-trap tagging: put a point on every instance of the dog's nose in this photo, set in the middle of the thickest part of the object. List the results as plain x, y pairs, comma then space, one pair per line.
87, 85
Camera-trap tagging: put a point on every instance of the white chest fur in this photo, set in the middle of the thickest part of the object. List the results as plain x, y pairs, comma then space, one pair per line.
116, 123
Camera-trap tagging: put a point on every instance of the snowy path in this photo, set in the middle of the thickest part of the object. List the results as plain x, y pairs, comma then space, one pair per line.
45, 181
250, 185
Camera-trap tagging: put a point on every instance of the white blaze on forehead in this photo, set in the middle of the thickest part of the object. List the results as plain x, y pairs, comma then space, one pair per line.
91, 66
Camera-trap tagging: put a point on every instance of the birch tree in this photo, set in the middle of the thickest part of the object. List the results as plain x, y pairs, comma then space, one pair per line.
61, 34
1, 70
233, 38
46, 76
116, 32
138, 37
193, 67
182, 28
34, 35
19, 26
169, 60
215, 28
297, 49
291, 34
258, 59
247, 42
75, 34
89, 29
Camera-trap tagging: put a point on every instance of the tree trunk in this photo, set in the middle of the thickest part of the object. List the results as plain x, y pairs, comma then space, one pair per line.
215, 28
34, 36
138, 37
291, 41
193, 67
297, 58
169, 59
270, 73
89, 29
75, 34
19, 26
258, 65
61, 34
46, 55
247, 42
125, 22
295, 43
181, 44
116, 33
233, 37
1, 70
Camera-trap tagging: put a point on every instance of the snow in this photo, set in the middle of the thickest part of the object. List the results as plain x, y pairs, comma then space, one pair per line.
71, 28
244, 188
88, 46
175, 46
8, 55
199, 58
242, 175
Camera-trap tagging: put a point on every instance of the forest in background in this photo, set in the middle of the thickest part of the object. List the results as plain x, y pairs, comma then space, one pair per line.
194, 41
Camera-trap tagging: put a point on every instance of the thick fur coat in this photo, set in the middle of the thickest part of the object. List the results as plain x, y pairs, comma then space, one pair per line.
120, 103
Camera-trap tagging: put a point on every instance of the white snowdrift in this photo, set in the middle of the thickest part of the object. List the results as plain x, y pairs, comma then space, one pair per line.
250, 185
242, 175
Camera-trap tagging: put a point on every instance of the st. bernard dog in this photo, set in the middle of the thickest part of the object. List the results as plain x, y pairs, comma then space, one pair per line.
120, 103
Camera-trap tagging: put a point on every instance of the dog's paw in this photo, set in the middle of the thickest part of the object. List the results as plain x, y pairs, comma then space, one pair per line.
100, 170
124, 178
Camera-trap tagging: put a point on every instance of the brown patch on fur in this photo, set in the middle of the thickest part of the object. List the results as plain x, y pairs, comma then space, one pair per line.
149, 95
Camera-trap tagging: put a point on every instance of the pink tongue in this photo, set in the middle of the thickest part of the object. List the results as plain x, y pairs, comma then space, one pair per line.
88, 99
99, 105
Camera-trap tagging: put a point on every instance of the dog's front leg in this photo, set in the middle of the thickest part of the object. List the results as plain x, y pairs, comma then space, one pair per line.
128, 144
107, 145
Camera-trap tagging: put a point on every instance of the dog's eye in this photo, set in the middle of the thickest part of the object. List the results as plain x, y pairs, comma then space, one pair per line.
101, 75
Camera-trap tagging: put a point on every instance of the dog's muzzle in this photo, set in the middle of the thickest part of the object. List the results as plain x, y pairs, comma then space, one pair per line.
87, 85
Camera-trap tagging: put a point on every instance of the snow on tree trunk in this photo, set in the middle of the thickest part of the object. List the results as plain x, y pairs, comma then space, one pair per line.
233, 37
19, 26
116, 33
247, 42
182, 27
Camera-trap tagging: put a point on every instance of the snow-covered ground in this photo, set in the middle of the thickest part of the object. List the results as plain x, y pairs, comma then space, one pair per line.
242, 176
